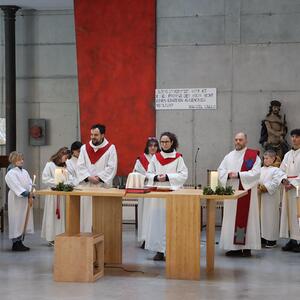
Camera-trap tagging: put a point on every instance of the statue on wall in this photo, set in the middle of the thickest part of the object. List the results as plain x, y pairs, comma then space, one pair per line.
273, 130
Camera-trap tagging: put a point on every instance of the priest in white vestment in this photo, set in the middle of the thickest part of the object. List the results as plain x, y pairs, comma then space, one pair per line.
20, 200
238, 241
141, 167
55, 172
96, 167
269, 196
289, 225
166, 170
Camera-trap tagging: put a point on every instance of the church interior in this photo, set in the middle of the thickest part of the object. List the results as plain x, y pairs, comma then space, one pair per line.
223, 76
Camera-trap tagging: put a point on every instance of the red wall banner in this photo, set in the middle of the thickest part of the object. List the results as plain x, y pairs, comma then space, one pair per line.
116, 57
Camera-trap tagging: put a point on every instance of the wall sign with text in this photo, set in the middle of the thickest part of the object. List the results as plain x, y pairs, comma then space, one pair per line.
205, 98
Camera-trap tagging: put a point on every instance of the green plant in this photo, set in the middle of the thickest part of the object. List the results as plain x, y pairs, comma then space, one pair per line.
208, 191
63, 187
220, 190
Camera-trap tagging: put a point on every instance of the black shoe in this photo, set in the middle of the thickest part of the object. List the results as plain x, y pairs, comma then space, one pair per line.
290, 245
246, 253
263, 242
271, 244
296, 249
159, 256
18, 246
234, 253
143, 245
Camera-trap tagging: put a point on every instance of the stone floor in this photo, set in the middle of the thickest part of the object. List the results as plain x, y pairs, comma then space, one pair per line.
269, 274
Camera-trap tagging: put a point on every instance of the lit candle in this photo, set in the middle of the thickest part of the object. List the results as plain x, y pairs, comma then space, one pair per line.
214, 179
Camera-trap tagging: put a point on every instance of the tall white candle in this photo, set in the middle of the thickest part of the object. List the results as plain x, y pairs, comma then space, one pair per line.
59, 175
297, 191
33, 180
214, 179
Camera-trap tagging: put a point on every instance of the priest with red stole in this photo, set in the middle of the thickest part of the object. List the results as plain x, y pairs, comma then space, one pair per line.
241, 229
96, 167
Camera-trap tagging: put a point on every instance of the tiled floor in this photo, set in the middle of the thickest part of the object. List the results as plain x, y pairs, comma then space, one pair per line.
269, 274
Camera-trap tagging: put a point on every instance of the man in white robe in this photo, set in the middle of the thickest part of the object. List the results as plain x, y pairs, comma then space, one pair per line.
96, 167
230, 174
289, 226
269, 196
19, 201
166, 170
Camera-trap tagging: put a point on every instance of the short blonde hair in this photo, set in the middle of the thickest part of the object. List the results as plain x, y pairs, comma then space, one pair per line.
15, 156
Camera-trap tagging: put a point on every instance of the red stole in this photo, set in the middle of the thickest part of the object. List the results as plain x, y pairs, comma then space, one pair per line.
144, 161
164, 161
243, 203
95, 156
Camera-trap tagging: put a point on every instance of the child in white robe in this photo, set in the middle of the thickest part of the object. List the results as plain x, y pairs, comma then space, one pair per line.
20, 200
269, 195
54, 209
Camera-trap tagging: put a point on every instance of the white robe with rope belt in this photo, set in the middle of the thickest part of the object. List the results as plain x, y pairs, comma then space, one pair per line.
291, 166
105, 168
143, 204
178, 174
51, 225
249, 179
18, 181
271, 178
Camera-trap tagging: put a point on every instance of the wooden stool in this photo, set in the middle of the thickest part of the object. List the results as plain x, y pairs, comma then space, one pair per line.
79, 258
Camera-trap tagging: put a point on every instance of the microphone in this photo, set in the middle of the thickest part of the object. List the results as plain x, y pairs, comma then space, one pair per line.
195, 169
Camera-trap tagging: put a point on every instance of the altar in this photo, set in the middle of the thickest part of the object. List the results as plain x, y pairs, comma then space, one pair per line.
183, 225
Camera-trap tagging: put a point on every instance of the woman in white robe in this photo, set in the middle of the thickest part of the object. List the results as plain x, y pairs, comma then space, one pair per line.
141, 166
54, 208
166, 169
20, 200
269, 191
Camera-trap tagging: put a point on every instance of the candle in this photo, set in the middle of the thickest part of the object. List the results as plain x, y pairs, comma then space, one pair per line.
214, 179
33, 180
59, 175
297, 191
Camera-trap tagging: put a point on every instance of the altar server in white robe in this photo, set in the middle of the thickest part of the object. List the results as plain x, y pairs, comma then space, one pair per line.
141, 166
240, 228
96, 167
20, 200
269, 196
72, 161
166, 169
54, 172
289, 226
